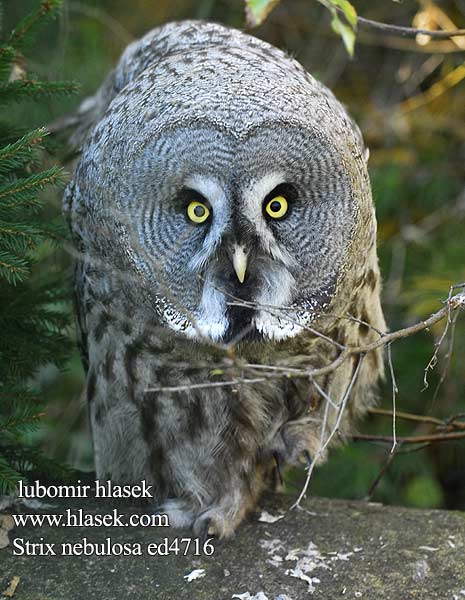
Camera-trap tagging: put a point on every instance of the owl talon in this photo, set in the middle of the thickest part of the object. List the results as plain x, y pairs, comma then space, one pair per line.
308, 458
203, 529
295, 443
207, 531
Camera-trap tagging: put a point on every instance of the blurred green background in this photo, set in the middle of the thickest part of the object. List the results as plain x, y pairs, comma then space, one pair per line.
409, 99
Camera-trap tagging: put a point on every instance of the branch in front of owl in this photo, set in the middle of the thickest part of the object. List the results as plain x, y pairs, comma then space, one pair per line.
281, 312
452, 303
325, 443
452, 429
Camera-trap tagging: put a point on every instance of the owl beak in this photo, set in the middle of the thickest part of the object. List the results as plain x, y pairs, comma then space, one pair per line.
240, 262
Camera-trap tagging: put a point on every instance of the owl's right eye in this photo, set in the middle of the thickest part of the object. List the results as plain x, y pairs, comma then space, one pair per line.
198, 212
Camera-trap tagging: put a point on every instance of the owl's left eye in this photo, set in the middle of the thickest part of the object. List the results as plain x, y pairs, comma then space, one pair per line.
277, 207
198, 212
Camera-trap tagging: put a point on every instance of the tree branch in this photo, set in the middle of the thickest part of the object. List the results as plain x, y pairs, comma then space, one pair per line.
452, 303
413, 439
401, 31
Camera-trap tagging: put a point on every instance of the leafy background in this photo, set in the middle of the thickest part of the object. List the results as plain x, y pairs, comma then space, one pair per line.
408, 96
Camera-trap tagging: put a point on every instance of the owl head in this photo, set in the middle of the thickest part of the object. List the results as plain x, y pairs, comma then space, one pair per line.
234, 186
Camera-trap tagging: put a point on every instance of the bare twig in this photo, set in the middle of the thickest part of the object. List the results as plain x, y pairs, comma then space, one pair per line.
384, 468
447, 358
413, 439
407, 416
407, 45
452, 303
325, 444
200, 386
409, 32
434, 359
394, 395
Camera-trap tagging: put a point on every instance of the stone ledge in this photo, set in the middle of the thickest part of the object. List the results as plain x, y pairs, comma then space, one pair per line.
331, 549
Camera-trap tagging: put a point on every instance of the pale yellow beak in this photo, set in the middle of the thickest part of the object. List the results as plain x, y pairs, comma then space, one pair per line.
240, 262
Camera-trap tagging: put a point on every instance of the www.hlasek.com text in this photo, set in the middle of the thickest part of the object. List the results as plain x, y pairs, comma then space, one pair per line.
80, 518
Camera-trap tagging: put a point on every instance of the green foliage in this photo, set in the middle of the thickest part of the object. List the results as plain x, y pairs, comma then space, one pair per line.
344, 28
424, 492
32, 319
258, 10
23, 35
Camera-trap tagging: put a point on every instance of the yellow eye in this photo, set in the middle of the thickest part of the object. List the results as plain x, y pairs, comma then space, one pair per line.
277, 207
198, 212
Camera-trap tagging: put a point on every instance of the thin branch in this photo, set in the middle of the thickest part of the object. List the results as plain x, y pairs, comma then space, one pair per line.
272, 311
323, 446
323, 393
407, 45
452, 303
413, 439
410, 32
384, 468
200, 386
434, 359
407, 416
448, 358
452, 420
394, 396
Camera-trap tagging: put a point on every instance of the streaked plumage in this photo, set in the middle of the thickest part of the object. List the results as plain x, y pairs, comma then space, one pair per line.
198, 112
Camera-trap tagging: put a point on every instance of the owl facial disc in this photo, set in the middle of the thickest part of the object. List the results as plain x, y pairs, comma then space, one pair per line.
239, 235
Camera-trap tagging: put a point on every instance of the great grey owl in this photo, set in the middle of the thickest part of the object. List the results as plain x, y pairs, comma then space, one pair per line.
225, 237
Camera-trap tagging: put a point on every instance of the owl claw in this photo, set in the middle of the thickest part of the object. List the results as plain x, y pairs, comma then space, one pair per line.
308, 458
206, 531
296, 441
204, 528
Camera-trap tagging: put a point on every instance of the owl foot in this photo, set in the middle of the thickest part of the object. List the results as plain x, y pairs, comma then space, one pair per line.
297, 441
213, 522
180, 514
216, 522
203, 530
